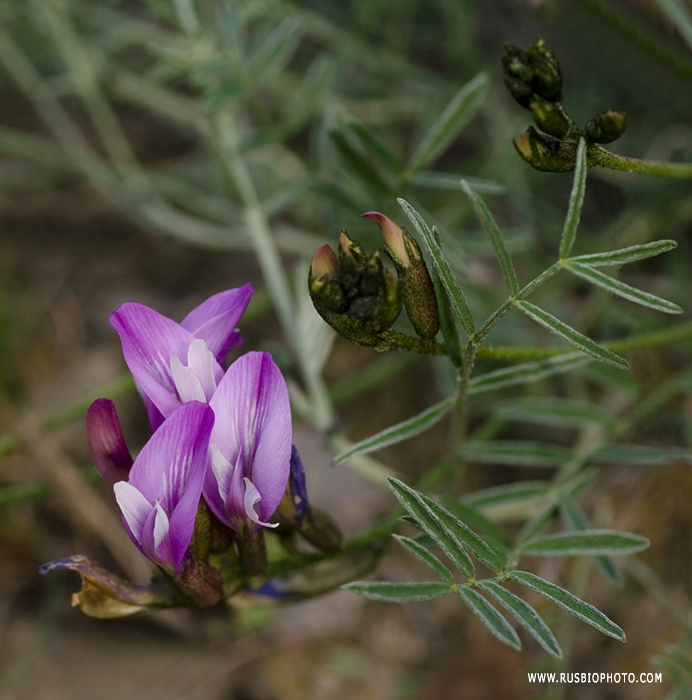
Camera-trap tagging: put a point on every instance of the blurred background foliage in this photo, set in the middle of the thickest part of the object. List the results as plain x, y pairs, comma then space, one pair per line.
161, 150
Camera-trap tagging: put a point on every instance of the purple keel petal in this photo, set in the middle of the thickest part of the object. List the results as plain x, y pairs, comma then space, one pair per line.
253, 433
166, 480
106, 442
215, 320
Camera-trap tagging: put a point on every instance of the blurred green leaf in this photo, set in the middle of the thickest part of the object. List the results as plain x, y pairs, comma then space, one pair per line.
569, 602
358, 165
576, 202
393, 592
430, 560
399, 432
490, 617
623, 256
565, 413
493, 230
588, 542
571, 335
375, 147
517, 492
525, 615
310, 94
621, 289
442, 267
575, 519
516, 453
642, 455
680, 16
273, 52
526, 372
450, 181
461, 108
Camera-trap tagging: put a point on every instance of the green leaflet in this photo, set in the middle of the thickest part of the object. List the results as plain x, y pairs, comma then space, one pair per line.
447, 539
525, 615
576, 201
526, 372
490, 617
625, 255
394, 592
585, 542
430, 560
448, 531
575, 519
571, 335
569, 602
623, 290
489, 224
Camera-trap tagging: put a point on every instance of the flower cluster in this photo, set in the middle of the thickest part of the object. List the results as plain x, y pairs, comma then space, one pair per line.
219, 467
226, 435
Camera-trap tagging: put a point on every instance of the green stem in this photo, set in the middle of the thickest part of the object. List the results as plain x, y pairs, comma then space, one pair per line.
225, 140
391, 340
600, 156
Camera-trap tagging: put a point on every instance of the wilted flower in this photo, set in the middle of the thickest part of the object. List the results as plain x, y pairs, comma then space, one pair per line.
159, 500
173, 363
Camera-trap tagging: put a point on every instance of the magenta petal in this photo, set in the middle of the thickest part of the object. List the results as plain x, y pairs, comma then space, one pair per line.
149, 341
253, 432
215, 320
106, 442
168, 474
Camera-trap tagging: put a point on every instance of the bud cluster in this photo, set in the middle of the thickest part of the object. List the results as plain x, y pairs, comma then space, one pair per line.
534, 78
358, 297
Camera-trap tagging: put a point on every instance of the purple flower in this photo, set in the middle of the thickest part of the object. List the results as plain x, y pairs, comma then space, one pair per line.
159, 501
106, 442
173, 363
250, 445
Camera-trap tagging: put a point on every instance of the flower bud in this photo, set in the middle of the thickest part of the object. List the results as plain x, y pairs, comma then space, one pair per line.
354, 294
551, 118
417, 290
325, 288
320, 530
534, 73
106, 442
252, 552
546, 153
201, 582
606, 126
